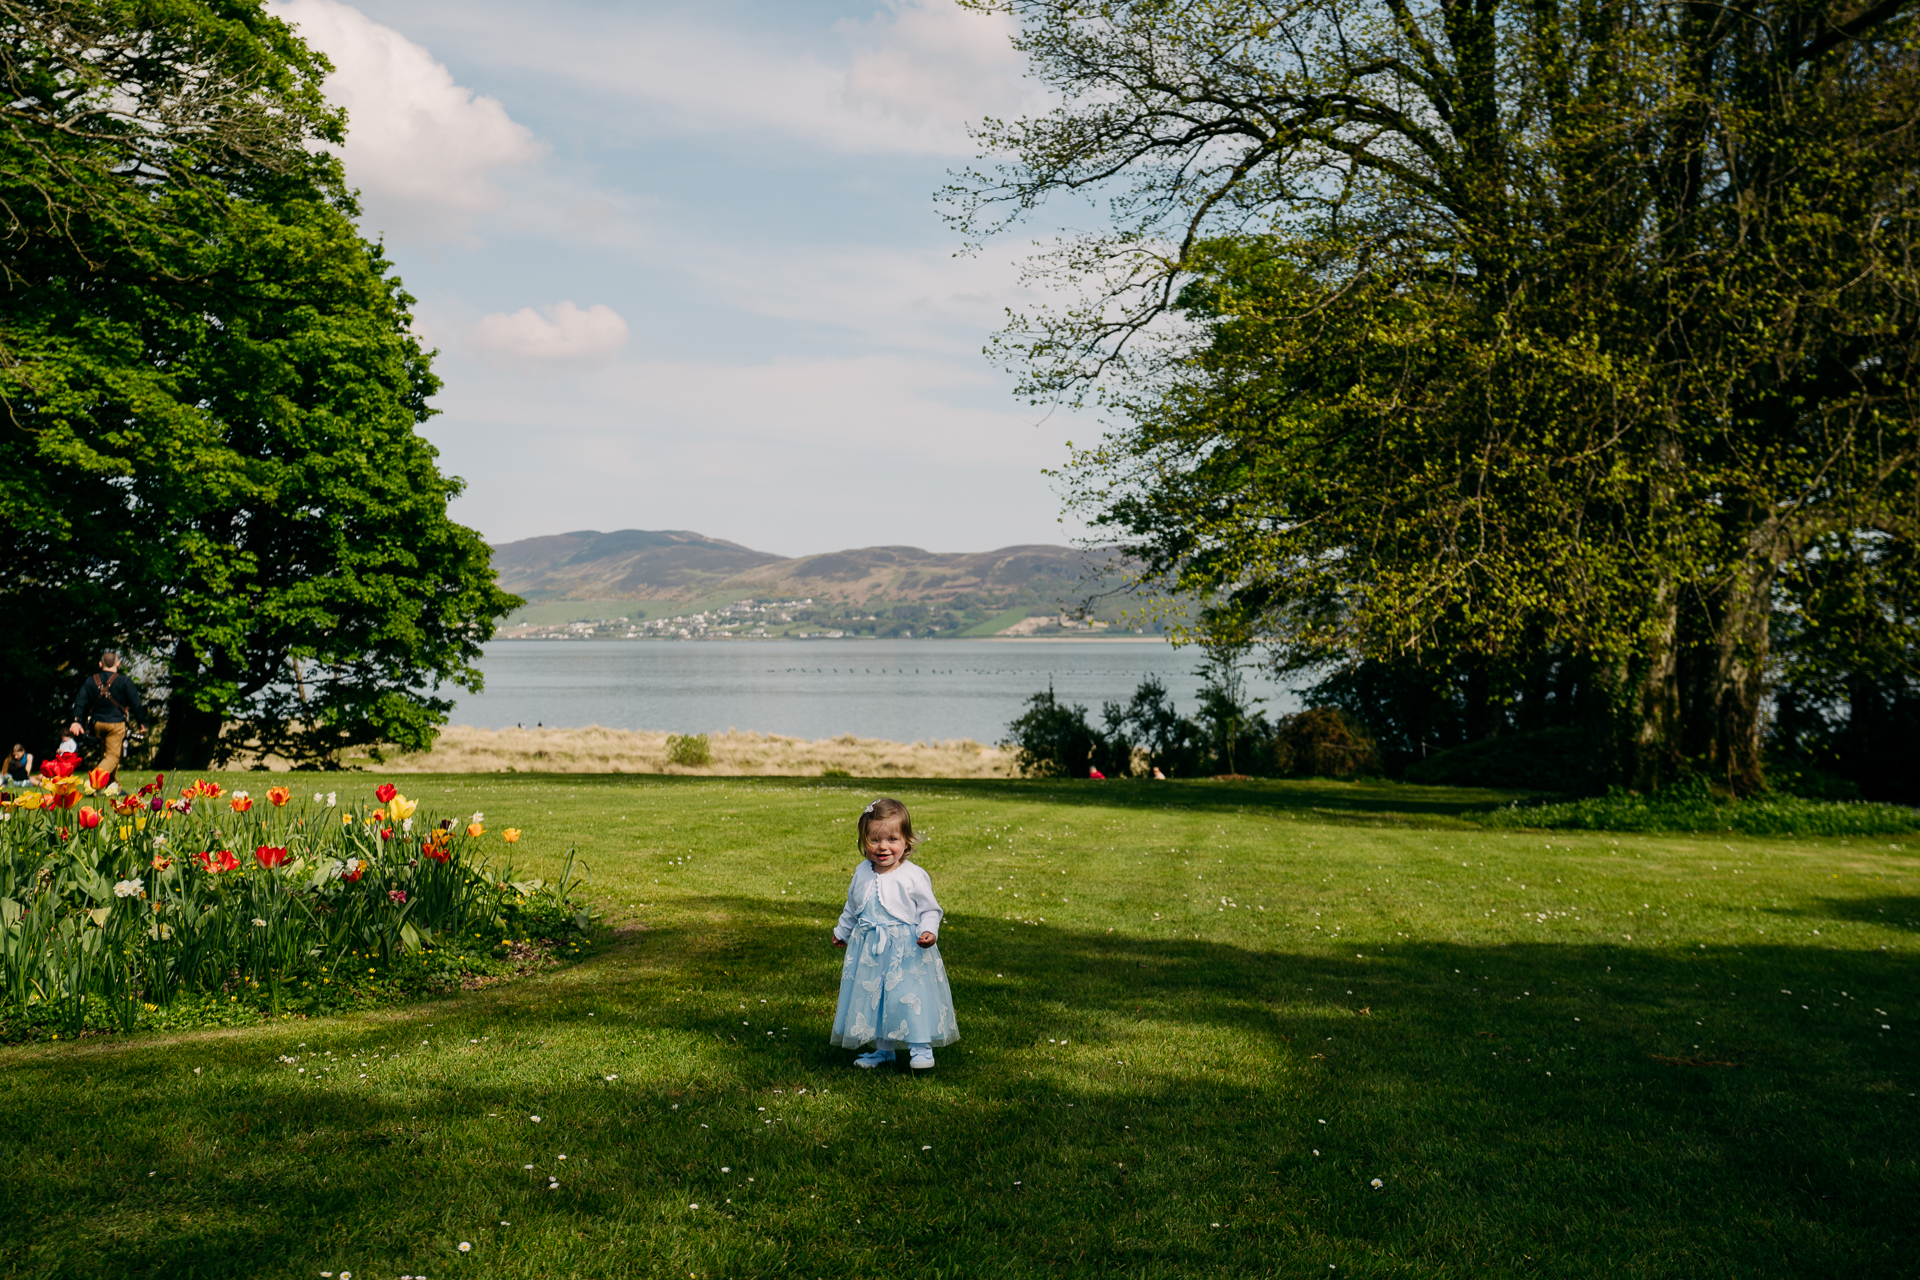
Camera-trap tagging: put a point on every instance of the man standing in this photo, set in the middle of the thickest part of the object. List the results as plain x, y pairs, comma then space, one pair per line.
107, 701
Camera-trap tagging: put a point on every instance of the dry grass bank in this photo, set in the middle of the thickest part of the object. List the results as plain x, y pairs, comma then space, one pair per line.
595, 750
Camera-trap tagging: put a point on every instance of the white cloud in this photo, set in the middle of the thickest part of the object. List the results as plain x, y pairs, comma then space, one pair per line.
561, 334
910, 79
423, 150
936, 65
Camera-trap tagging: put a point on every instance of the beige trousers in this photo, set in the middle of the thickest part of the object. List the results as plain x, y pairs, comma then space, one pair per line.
113, 737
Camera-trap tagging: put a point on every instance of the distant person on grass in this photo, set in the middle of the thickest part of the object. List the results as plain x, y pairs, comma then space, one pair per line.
19, 765
108, 702
891, 994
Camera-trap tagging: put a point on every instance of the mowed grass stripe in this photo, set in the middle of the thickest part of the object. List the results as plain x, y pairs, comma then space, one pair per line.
1184, 1005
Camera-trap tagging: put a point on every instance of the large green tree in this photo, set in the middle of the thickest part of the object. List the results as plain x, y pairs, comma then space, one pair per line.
212, 392
1462, 329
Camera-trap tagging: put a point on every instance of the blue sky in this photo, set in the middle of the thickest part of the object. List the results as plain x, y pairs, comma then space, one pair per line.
685, 269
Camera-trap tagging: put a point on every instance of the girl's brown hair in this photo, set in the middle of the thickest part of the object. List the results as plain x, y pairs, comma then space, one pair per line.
886, 809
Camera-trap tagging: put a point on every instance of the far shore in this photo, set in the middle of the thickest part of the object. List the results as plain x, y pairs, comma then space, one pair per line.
1080, 639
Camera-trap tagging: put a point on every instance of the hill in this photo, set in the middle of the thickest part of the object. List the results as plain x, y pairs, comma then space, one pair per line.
638, 581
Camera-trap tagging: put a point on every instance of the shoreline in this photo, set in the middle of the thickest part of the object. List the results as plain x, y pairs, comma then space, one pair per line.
735, 753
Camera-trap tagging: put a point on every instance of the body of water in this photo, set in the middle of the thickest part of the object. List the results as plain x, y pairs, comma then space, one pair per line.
903, 690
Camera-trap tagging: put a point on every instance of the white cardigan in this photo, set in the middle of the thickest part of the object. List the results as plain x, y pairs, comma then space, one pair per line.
906, 891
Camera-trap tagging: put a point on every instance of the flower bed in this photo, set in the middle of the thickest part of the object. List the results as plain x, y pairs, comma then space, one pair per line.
117, 906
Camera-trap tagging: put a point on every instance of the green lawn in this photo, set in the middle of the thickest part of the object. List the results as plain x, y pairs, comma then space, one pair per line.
1200, 1020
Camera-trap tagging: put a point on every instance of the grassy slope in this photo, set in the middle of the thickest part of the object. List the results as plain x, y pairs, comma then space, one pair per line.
1145, 1080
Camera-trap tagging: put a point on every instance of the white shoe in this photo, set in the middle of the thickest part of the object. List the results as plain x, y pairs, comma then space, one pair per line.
921, 1058
874, 1057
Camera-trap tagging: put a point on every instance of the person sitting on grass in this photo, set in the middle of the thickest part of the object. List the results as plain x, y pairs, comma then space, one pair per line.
19, 765
890, 993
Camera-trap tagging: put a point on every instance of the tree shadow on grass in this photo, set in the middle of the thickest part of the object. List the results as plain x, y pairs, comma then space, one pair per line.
1113, 1099
1319, 797
1894, 911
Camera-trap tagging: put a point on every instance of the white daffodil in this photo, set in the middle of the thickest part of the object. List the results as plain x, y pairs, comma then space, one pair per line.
258, 923
160, 842
333, 798
478, 816
127, 888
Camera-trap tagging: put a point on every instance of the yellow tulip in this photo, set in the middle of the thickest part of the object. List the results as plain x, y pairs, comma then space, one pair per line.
29, 800
401, 808
511, 835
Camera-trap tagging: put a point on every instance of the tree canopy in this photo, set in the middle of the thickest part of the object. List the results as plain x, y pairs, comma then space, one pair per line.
212, 390
1468, 332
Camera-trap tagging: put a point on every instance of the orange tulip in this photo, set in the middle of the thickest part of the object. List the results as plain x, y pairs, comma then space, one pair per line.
240, 802
475, 829
279, 795
99, 779
511, 835
87, 818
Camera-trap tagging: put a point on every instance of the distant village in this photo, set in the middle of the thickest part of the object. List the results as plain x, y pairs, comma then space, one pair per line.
803, 619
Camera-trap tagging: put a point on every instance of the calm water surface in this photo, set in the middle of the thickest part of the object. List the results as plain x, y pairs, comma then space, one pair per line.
904, 690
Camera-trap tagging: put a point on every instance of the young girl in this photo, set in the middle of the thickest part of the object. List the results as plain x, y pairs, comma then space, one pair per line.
893, 986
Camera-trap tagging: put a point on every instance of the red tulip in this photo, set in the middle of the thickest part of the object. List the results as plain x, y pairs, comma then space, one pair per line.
88, 818
434, 850
268, 855
217, 862
99, 779
385, 792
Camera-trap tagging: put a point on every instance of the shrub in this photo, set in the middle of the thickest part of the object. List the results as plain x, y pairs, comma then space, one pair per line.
689, 749
1692, 809
1323, 742
1565, 761
1052, 739
1148, 733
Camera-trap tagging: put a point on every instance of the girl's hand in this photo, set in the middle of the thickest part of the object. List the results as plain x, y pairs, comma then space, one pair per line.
841, 943
927, 939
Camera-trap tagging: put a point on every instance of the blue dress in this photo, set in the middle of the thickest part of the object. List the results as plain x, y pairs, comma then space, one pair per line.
893, 991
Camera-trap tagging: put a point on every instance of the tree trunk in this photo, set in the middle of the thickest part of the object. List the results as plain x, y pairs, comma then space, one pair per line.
1655, 757
191, 736
1739, 679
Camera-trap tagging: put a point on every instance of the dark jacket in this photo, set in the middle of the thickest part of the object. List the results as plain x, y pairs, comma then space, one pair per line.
91, 703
